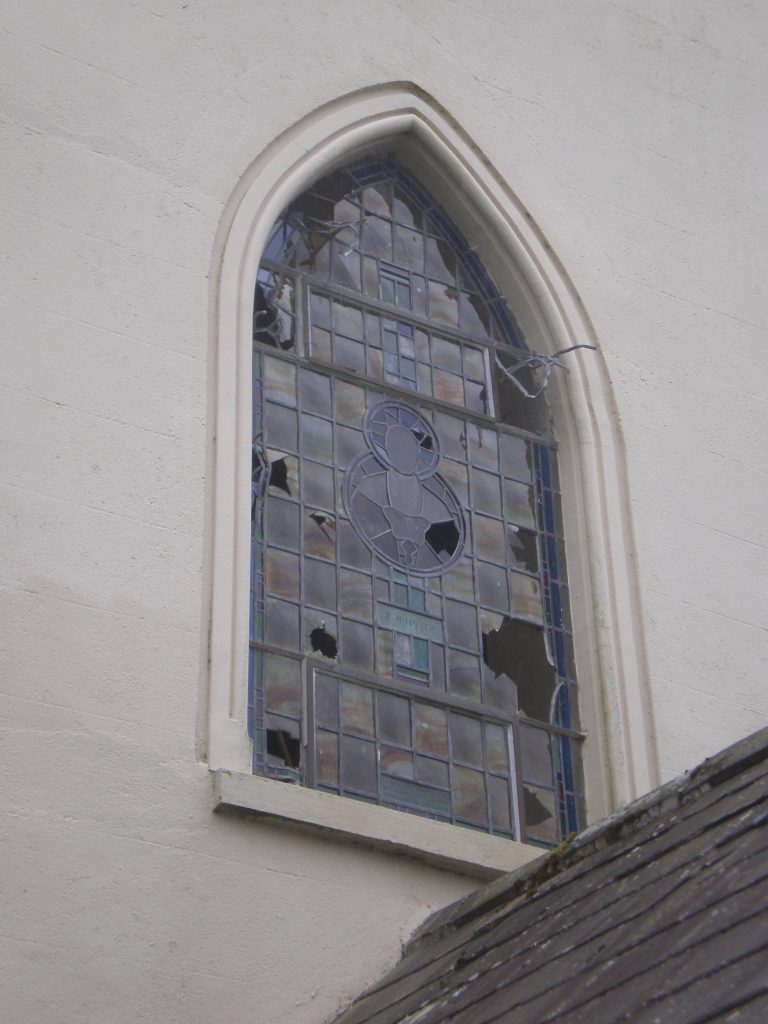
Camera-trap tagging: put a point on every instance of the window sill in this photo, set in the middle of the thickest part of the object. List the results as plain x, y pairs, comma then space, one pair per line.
432, 842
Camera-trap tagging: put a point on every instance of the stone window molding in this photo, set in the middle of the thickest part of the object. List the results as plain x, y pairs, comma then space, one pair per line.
620, 756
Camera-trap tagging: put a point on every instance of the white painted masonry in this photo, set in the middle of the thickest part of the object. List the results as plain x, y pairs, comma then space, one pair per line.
631, 137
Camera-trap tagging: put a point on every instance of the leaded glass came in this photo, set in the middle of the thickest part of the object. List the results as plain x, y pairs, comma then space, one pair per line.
410, 636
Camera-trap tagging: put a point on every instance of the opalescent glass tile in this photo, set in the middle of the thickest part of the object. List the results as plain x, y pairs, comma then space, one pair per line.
370, 277
418, 295
523, 549
499, 691
519, 504
483, 447
535, 755
540, 814
358, 760
456, 475
446, 355
357, 645
327, 701
357, 709
350, 404
396, 762
441, 261
394, 719
461, 625
474, 364
515, 457
316, 438
356, 592
501, 816
320, 583
279, 381
318, 486
437, 667
464, 678
492, 586
469, 795
283, 523
384, 643
283, 578
525, 597
452, 433
348, 320
490, 542
448, 387
443, 303
327, 758
320, 344
282, 684
319, 534
486, 492
282, 624
476, 397
432, 772
431, 729
466, 740
496, 748
349, 354
280, 428
320, 311
315, 390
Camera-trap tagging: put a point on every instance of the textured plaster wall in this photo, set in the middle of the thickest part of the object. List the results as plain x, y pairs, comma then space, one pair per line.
633, 132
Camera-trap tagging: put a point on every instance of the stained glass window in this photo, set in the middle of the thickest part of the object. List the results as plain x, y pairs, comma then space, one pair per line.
410, 640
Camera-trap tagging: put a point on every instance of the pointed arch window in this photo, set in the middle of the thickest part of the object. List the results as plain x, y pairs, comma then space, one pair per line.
410, 638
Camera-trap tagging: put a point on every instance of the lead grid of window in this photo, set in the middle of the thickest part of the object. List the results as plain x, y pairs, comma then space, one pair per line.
319, 593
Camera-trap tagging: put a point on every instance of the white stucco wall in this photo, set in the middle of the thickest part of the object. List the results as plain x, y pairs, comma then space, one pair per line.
633, 132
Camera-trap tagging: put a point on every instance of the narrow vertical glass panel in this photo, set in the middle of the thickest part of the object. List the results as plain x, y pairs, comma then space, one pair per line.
375, 363
419, 295
350, 404
320, 344
318, 486
437, 667
535, 755
490, 542
348, 320
469, 795
357, 709
424, 378
356, 592
501, 816
357, 645
515, 457
283, 523
466, 740
320, 311
420, 654
396, 762
327, 758
525, 597
280, 427
448, 387
319, 534
461, 623
370, 277
431, 729
358, 759
320, 583
464, 678
519, 503
409, 248
283, 577
443, 303
432, 772
441, 262
372, 328
282, 684
279, 381
316, 438
523, 549
496, 748
349, 354
492, 586
540, 814
486, 492
394, 719
327, 701
483, 447
282, 621
315, 389
377, 238
384, 639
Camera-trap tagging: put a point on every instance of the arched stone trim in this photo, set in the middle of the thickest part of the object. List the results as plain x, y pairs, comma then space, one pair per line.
620, 752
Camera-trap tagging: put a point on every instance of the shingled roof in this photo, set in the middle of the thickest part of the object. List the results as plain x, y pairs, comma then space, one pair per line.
655, 915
